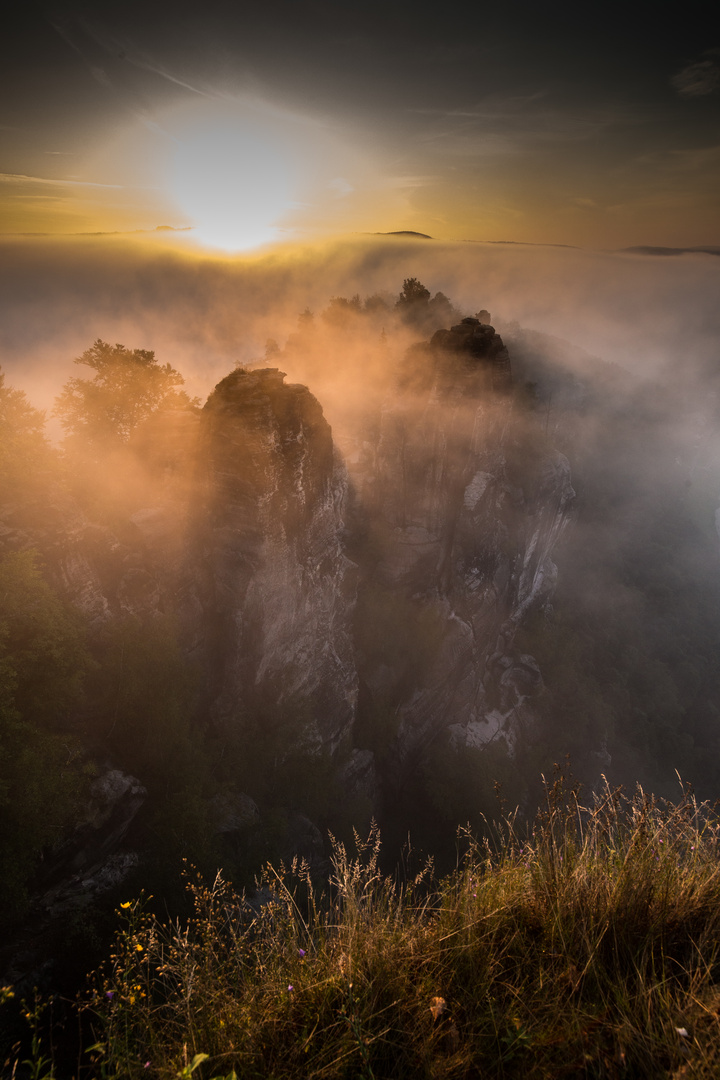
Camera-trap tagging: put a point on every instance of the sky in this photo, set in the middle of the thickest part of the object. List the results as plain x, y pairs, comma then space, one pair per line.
594, 125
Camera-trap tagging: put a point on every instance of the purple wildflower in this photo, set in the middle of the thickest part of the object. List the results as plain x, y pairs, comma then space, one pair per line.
301, 953
290, 988
110, 994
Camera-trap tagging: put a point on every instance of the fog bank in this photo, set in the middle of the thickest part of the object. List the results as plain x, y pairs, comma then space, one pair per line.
204, 314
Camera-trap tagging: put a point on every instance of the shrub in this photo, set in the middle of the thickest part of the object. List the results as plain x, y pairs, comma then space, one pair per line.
586, 945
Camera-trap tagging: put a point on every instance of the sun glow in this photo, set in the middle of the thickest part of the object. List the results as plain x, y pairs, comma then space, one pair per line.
238, 173
234, 182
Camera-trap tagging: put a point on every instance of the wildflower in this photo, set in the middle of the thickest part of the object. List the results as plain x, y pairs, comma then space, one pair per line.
110, 994
301, 953
146, 1065
138, 947
438, 1006
290, 988
127, 904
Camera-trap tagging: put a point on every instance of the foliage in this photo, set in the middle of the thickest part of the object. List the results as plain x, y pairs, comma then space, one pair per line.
142, 691
143, 700
272, 754
42, 646
129, 386
42, 664
413, 293
586, 946
417, 308
27, 462
340, 310
458, 782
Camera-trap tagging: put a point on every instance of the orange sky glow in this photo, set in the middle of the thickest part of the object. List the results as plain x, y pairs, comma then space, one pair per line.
566, 126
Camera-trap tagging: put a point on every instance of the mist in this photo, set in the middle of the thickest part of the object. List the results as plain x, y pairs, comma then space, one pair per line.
205, 314
384, 529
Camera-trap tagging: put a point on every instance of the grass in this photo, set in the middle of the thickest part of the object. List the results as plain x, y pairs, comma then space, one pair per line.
584, 946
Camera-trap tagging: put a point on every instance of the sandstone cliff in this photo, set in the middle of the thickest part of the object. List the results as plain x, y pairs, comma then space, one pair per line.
266, 567
465, 506
242, 525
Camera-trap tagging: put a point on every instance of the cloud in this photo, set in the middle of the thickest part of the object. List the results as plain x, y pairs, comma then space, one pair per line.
86, 39
501, 127
25, 179
403, 182
341, 186
698, 79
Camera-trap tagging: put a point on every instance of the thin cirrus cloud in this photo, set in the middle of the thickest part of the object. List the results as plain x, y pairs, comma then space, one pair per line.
22, 178
698, 79
97, 46
502, 128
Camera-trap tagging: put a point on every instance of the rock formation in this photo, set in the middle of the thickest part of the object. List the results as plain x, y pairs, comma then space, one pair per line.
273, 588
244, 526
466, 507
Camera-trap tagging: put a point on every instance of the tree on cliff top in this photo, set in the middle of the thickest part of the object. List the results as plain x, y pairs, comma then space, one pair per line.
413, 293
417, 309
128, 387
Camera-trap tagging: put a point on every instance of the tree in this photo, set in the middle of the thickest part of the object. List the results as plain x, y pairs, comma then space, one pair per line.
128, 387
412, 303
42, 664
340, 311
26, 459
43, 659
413, 292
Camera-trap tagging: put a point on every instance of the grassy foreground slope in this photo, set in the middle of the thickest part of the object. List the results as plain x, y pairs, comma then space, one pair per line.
587, 946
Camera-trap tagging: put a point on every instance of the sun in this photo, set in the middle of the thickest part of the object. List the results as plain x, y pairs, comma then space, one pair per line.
241, 172
233, 180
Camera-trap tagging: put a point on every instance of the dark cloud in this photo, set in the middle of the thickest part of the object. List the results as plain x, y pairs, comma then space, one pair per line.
698, 79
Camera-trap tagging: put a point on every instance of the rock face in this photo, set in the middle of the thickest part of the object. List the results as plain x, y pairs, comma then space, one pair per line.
274, 587
243, 538
465, 516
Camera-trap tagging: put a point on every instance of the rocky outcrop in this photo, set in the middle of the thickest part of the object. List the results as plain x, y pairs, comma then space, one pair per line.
94, 861
90, 861
238, 529
267, 567
465, 516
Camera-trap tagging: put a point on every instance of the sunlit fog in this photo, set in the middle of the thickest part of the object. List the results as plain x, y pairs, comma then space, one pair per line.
359, 541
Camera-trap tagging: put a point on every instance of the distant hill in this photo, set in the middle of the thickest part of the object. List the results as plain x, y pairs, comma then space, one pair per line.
405, 232
672, 250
